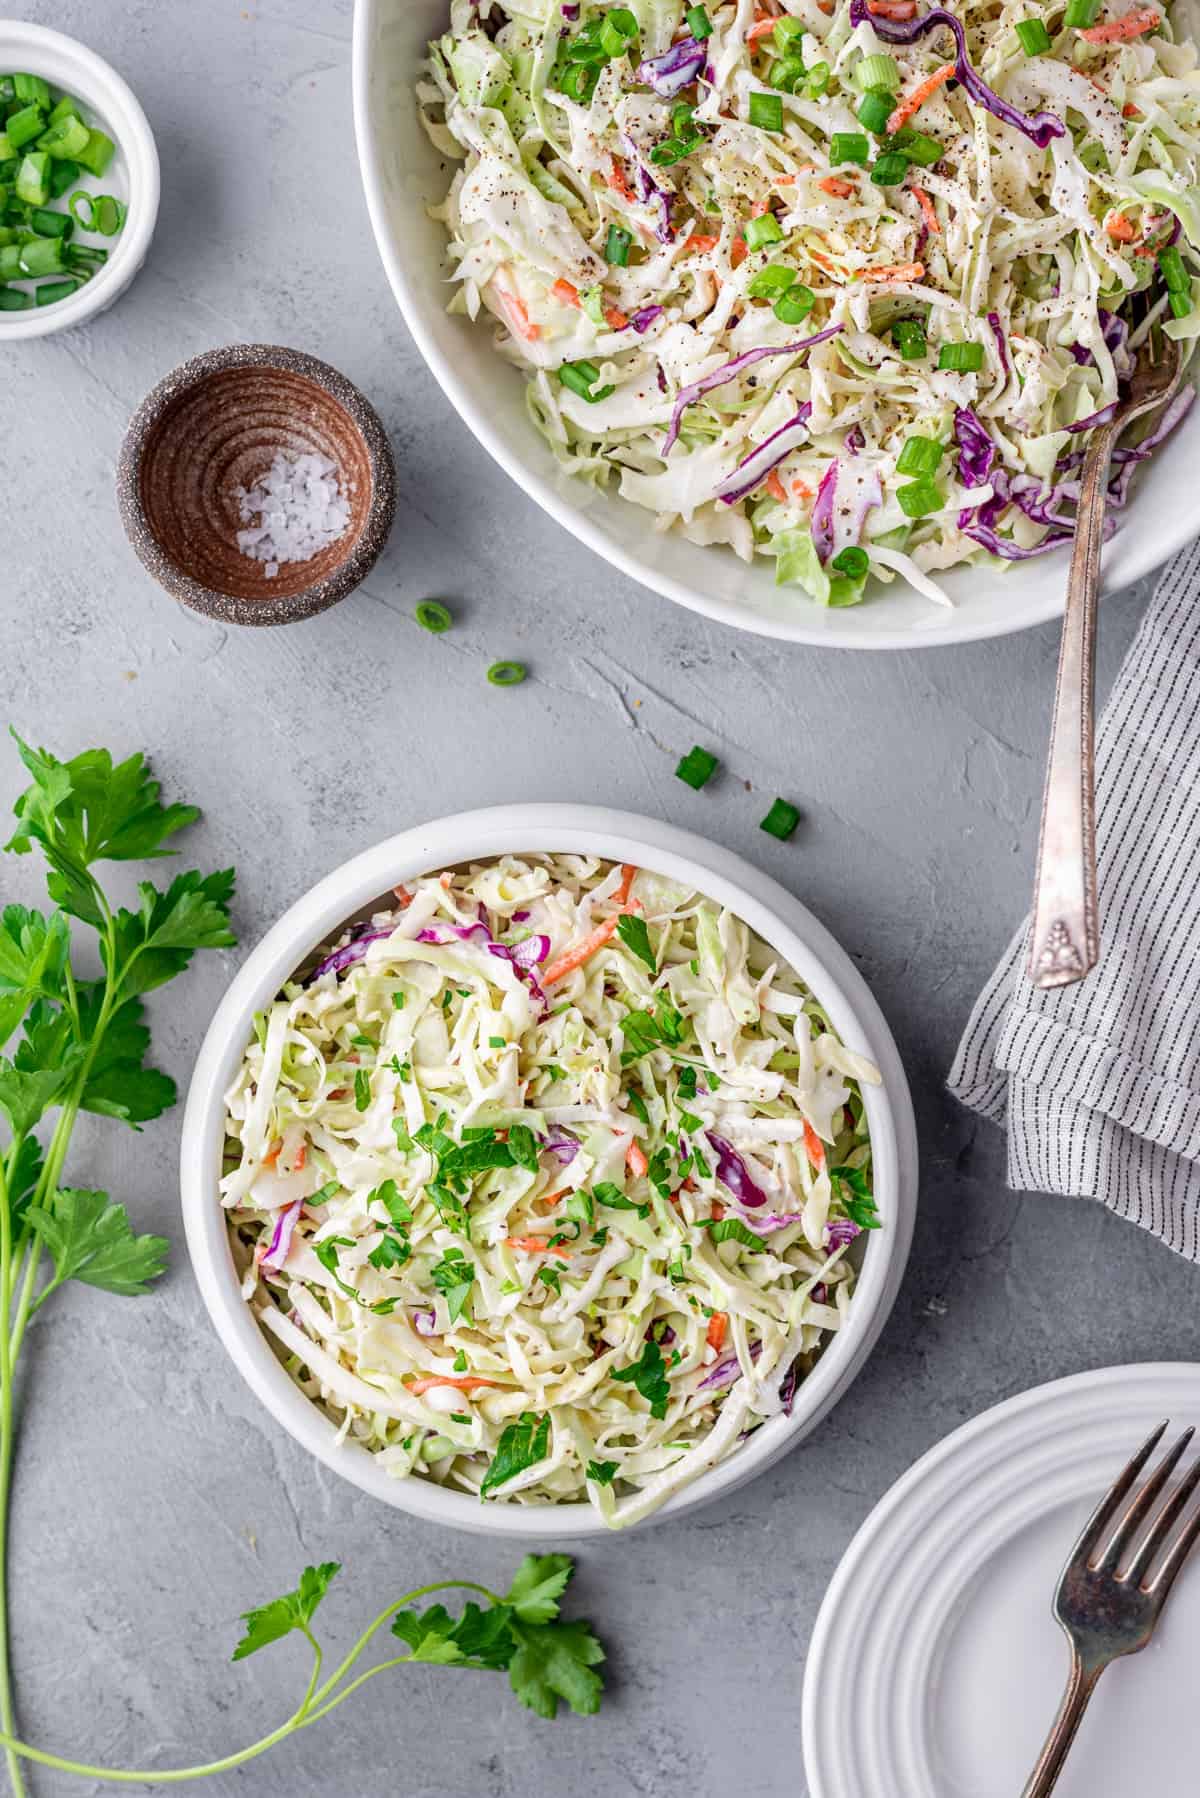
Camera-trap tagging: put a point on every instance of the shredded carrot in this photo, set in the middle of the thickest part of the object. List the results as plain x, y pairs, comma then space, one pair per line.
574, 958
635, 1160
927, 212
272, 1155
718, 1211
893, 9
1119, 227
468, 1382
618, 181
534, 1245
825, 6
899, 271
814, 1145
701, 243
1119, 31
549, 1200
403, 895
801, 489
718, 1323
566, 292
518, 316
444, 881
1130, 111
614, 318
629, 874
301, 1159
761, 27
759, 207
837, 185
822, 261
776, 488
689, 1185
914, 101
739, 252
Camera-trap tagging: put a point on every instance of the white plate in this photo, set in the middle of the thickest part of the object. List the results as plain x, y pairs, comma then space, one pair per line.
474, 836
936, 1666
403, 175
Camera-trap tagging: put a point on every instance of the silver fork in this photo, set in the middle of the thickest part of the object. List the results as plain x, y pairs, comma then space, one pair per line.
1064, 944
1108, 1611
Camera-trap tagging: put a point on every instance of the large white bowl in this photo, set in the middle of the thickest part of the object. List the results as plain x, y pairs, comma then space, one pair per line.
781, 920
403, 174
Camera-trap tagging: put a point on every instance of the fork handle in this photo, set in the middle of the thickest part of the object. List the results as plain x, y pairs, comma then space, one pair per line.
1065, 939
1081, 1683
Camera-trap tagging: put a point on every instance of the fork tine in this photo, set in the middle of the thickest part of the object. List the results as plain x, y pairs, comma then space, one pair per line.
1162, 1529
1139, 1510
1096, 1524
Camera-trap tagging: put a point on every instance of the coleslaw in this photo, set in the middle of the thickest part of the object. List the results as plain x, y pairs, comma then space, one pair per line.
844, 283
543, 1183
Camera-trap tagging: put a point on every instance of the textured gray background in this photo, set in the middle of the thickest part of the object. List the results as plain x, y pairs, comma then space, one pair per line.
155, 1500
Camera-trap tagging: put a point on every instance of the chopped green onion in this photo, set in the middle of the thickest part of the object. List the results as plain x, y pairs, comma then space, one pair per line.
1180, 303
962, 358
618, 31
10, 262
673, 149
1080, 14
697, 767
787, 73
31, 88
766, 112
581, 377
795, 304
919, 498
433, 616
15, 299
698, 22
42, 256
20, 128
62, 176
890, 169
1035, 39
818, 79
849, 146
874, 111
47, 292
110, 215
96, 154
578, 82
1173, 271
781, 820
33, 178
920, 456
771, 281
67, 108
920, 148
616, 249
7, 152
878, 71
760, 231
852, 562
908, 334
786, 35
507, 674
66, 139
50, 224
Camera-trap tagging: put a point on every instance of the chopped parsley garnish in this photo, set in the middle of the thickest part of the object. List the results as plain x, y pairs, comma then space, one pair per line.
522, 1445
633, 933
460, 1362
649, 1375
497, 1042
580, 1207
614, 1198
454, 1276
327, 1254
730, 1229
637, 1105
390, 1251
549, 1277
851, 1186
601, 1472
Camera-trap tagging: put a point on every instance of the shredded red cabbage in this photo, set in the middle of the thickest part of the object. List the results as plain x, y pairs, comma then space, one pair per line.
281, 1237
733, 1173
854, 440
728, 1369
729, 371
641, 321
822, 514
425, 1323
348, 954
753, 469
976, 451
675, 69
561, 1145
1040, 127
993, 319
839, 1231
1095, 418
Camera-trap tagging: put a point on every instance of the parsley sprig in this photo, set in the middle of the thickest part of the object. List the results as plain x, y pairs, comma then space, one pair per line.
549, 1659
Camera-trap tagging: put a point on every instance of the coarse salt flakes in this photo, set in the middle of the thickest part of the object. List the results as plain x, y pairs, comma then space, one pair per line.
295, 510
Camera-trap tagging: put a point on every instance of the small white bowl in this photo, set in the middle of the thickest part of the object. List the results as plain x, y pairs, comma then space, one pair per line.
317, 917
132, 175
403, 175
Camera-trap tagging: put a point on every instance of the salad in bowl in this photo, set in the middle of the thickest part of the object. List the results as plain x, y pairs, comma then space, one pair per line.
844, 284
547, 1183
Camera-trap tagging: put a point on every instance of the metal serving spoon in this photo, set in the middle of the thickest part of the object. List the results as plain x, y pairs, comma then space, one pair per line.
1064, 944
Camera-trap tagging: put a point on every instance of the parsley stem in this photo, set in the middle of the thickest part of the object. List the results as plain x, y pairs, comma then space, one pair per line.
445, 1585
7, 1711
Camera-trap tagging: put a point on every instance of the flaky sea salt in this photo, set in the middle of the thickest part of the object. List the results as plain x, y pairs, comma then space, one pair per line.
293, 511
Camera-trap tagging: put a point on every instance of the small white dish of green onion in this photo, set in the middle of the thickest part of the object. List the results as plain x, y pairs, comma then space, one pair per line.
79, 182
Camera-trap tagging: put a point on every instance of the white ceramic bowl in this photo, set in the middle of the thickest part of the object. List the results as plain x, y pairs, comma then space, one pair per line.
132, 175
319, 915
403, 174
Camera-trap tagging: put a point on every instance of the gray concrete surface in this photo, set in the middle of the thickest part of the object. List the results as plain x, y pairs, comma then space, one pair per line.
155, 1500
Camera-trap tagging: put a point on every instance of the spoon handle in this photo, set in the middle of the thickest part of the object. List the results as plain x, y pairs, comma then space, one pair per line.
1064, 944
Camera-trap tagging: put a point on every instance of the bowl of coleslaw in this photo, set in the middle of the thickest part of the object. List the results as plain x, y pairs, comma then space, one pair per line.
547, 1170
800, 312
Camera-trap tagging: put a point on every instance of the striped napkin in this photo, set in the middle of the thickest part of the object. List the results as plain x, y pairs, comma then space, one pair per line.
1098, 1085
